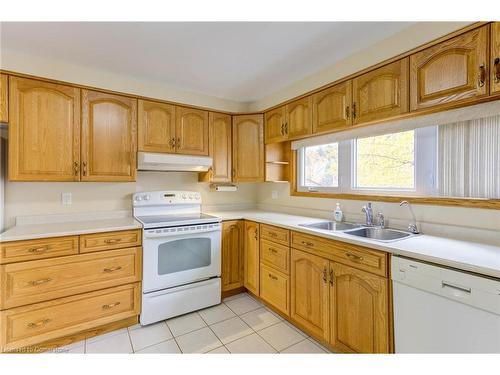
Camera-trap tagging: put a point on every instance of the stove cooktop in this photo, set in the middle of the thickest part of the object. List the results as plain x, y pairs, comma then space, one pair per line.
160, 221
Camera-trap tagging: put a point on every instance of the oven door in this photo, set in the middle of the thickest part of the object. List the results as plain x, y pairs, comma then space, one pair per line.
182, 255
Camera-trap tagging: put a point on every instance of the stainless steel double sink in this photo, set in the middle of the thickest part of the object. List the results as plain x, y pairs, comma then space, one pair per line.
359, 230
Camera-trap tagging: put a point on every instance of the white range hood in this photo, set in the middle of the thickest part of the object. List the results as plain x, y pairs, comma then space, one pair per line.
149, 161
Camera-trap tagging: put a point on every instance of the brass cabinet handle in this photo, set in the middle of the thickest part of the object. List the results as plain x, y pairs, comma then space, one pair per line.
110, 305
38, 250
331, 276
273, 277
178, 143
353, 111
282, 129
233, 172
286, 128
273, 250
112, 240
496, 70
39, 324
76, 168
354, 257
113, 269
324, 275
256, 234
272, 234
39, 282
481, 76
306, 243
347, 112
171, 143
84, 168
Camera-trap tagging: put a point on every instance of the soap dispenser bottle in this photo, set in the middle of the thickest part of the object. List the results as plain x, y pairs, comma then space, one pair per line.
338, 213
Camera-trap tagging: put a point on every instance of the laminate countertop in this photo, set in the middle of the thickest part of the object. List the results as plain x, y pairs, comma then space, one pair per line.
463, 255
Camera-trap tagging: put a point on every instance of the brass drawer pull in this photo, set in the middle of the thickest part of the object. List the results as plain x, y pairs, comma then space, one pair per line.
331, 276
112, 240
306, 243
273, 277
324, 275
109, 270
272, 234
354, 258
273, 250
39, 324
39, 282
110, 305
38, 250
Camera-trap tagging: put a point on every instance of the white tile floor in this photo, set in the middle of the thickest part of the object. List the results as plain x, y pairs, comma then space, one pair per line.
240, 324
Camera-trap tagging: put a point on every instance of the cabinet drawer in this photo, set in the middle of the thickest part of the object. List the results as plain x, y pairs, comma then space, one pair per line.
18, 251
352, 255
42, 280
110, 240
275, 234
274, 288
45, 321
275, 255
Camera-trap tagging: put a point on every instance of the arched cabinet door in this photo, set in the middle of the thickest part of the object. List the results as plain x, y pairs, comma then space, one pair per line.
359, 311
331, 108
456, 70
156, 127
495, 58
252, 257
275, 125
191, 131
248, 148
381, 93
109, 135
232, 254
299, 118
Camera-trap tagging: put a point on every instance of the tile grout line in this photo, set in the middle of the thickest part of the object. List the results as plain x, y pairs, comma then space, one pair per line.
222, 344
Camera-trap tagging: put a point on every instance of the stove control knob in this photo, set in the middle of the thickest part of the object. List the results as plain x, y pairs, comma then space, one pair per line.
197, 195
184, 196
191, 196
146, 197
138, 198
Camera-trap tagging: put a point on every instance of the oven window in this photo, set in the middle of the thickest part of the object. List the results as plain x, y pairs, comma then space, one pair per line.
182, 255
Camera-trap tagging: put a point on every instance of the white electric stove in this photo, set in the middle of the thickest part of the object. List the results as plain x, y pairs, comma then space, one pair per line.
181, 254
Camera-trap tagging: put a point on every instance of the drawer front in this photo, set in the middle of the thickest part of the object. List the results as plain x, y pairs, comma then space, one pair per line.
275, 234
274, 255
351, 255
19, 251
274, 288
35, 324
110, 240
42, 280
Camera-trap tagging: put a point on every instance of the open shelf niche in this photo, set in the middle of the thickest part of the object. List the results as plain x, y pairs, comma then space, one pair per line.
278, 162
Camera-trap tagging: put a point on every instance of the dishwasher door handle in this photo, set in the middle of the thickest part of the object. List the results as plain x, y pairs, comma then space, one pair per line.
445, 284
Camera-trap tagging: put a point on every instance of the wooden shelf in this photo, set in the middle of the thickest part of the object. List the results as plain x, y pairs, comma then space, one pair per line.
278, 156
278, 162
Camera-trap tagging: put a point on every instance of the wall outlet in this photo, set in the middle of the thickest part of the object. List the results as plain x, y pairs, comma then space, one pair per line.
66, 198
274, 194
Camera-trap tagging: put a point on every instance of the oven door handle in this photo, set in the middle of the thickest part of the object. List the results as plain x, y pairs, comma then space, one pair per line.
179, 233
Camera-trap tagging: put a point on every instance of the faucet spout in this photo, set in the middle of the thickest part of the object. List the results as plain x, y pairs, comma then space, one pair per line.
412, 227
368, 213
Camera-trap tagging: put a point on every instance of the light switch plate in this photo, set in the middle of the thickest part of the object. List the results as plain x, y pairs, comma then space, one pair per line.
66, 198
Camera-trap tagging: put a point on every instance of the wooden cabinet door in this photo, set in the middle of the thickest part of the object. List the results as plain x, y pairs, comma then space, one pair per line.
232, 254
331, 108
455, 70
359, 305
191, 131
220, 148
495, 57
275, 125
109, 134
4, 98
299, 118
251, 258
44, 131
248, 148
381, 93
310, 293
156, 127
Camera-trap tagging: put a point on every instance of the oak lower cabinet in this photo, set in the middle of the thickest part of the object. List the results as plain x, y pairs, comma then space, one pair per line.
4, 98
156, 127
109, 137
248, 148
456, 70
44, 131
331, 108
251, 257
232, 255
495, 58
219, 148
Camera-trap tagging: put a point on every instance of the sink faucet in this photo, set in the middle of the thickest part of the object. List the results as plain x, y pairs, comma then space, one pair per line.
412, 227
369, 214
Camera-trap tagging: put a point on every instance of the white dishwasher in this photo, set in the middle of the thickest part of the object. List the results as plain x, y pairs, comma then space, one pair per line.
442, 310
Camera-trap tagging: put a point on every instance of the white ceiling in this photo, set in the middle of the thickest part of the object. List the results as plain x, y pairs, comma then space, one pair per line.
240, 61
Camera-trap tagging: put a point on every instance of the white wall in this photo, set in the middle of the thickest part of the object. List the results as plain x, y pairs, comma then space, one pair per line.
43, 198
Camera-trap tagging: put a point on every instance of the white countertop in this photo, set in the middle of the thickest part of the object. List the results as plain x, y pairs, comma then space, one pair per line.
468, 256
68, 228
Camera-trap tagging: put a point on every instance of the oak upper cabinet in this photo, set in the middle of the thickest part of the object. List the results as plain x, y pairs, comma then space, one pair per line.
275, 125
109, 137
232, 254
4, 98
495, 58
251, 257
455, 70
44, 131
331, 108
248, 148
299, 118
381, 93
191, 131
220, 148
359, 305
156, 126
310, 293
